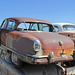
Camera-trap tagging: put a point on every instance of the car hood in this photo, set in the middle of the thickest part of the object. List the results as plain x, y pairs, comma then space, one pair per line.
51, 40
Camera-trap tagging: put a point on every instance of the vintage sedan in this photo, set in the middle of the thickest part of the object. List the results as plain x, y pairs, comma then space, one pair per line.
66, 29
32, 41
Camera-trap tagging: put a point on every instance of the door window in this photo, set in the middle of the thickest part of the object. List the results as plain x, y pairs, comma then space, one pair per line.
44, 27
4, 24
34, 27
22, 26
27, 26
11, 24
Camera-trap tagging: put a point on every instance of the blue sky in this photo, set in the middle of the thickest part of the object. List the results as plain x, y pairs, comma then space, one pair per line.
50, 10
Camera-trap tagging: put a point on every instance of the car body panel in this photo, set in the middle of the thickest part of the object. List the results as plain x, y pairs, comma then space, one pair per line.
22, 43
70, 33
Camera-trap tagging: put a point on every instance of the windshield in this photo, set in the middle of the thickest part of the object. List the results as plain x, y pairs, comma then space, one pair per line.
34, 27
68, 27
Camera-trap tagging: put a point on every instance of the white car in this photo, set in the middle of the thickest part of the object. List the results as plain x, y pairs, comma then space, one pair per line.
64, 27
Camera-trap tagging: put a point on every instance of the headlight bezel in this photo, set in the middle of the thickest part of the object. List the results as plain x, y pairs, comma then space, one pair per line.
37, 45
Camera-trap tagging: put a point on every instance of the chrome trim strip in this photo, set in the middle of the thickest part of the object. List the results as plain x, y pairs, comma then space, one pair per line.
38, 57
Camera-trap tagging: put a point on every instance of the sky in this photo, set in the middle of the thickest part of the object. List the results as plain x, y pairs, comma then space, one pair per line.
53, 11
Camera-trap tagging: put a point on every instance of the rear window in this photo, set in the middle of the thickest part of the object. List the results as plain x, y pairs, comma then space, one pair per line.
68, 27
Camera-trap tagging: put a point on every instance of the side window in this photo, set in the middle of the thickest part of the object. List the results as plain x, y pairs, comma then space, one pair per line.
35, 27
11, 24
56, 28
27, 26
45, 28
22, 26
4, 24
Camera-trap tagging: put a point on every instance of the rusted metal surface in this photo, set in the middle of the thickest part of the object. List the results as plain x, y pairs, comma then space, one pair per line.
23, 42
70, 33
3, 37
57, 52
51, 40
26, 19
68, 58
48, 40
47, 60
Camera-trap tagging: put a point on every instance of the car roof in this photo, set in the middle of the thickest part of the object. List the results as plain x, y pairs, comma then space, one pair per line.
61, 24
26, 19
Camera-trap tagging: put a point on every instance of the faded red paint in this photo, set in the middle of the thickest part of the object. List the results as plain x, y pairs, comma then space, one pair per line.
16, 35
23, 42
61, 59
47, 45
26, 19
45, 40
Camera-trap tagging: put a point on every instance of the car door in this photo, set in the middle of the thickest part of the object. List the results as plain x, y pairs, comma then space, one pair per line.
2, 33
6, 27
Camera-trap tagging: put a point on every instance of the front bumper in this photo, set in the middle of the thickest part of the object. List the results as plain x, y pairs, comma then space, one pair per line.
46, 59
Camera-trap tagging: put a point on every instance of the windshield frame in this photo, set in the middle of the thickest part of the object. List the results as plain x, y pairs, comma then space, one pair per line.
35, 23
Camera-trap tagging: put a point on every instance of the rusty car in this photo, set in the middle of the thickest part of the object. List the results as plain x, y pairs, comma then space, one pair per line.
33, 41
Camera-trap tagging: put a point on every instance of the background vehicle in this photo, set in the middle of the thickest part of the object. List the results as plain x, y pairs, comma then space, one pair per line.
66, 29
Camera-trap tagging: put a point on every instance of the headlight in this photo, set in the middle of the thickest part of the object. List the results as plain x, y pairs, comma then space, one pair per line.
36, 45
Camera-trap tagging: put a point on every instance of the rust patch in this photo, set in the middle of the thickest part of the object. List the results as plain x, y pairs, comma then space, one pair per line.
60, 59
57, 52
15, 35
47, 40
26, 19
